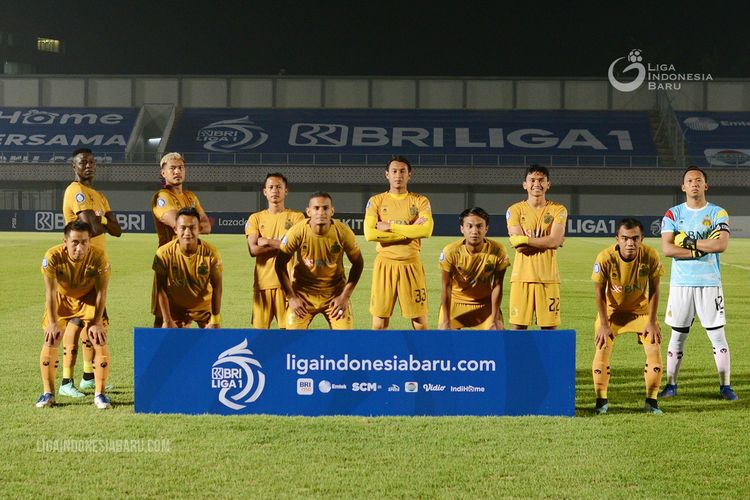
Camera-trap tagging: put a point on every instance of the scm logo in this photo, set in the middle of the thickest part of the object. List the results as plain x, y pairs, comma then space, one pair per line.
365, 387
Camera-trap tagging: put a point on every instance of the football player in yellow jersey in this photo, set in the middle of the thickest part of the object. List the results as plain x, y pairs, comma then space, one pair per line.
626, 289
472, 271
264, 231
320, 285
164, 206
397, 220
82, 202
189, 276
536, 227
76, 275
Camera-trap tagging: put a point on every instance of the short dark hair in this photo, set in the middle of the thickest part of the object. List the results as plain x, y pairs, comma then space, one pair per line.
629, 223
275, 174
693, 168
479, 212
188, 211
320, 194
398, 158
535, 167
77, 225
82, 151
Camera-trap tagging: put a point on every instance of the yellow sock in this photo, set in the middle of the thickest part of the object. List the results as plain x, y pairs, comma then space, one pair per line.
600, 370
48, 367
101, 368
70, 349
653, 370
88, 353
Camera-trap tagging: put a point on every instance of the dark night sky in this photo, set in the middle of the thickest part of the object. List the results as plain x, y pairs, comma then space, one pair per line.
382, 38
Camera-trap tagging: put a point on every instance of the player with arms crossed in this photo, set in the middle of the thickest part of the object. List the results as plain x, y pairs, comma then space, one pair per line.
76, 275
82, 202
189, 276
397, 220
164, 207
694, 233
536, 227
320, 285
626, 289
472, 272
264, 231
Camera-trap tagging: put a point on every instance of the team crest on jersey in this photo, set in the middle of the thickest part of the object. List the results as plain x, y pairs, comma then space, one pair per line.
707, 221
488, 267
413, 211
80, 198
203, 270
161, 202
288, 224
643, 270
548, 218
335, 248
90, 272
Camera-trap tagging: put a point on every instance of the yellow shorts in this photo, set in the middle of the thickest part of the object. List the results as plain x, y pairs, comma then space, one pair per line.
319, 304
540, 298
477, 316
69, 308
404, 280
267, 305
184, 317
626, 322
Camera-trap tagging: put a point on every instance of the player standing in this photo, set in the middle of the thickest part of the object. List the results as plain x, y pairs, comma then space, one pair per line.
397, 220
536, 227
626, 288
189, 276
320, 285
82, 202
76, 275
694, 233
264, 231
472, 270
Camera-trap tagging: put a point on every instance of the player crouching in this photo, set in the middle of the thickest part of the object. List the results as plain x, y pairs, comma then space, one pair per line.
76, 276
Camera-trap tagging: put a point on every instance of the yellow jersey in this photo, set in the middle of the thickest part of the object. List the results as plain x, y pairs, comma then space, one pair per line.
541, 266
626, 283
188, 277
79, 197
473, 276
320, 258
399, 209
75, 279
272, 226
165, 201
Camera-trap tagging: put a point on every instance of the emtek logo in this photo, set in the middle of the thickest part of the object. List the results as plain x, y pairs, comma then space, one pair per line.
236, 373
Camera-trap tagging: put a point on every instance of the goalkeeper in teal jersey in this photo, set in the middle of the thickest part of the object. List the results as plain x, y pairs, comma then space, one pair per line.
694, 233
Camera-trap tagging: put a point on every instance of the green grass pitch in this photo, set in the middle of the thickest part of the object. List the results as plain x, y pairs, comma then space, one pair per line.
698, 448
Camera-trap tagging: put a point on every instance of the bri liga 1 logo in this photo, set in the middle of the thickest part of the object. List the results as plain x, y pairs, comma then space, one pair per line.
237, 375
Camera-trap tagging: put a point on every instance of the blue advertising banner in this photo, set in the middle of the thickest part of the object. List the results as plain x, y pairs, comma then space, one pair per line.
51, 134
361, 132
313, 373
234, 223
719, 139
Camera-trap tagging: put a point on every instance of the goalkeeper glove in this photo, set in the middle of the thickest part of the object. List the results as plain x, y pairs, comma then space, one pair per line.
684, 241
517, 240
697, 254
